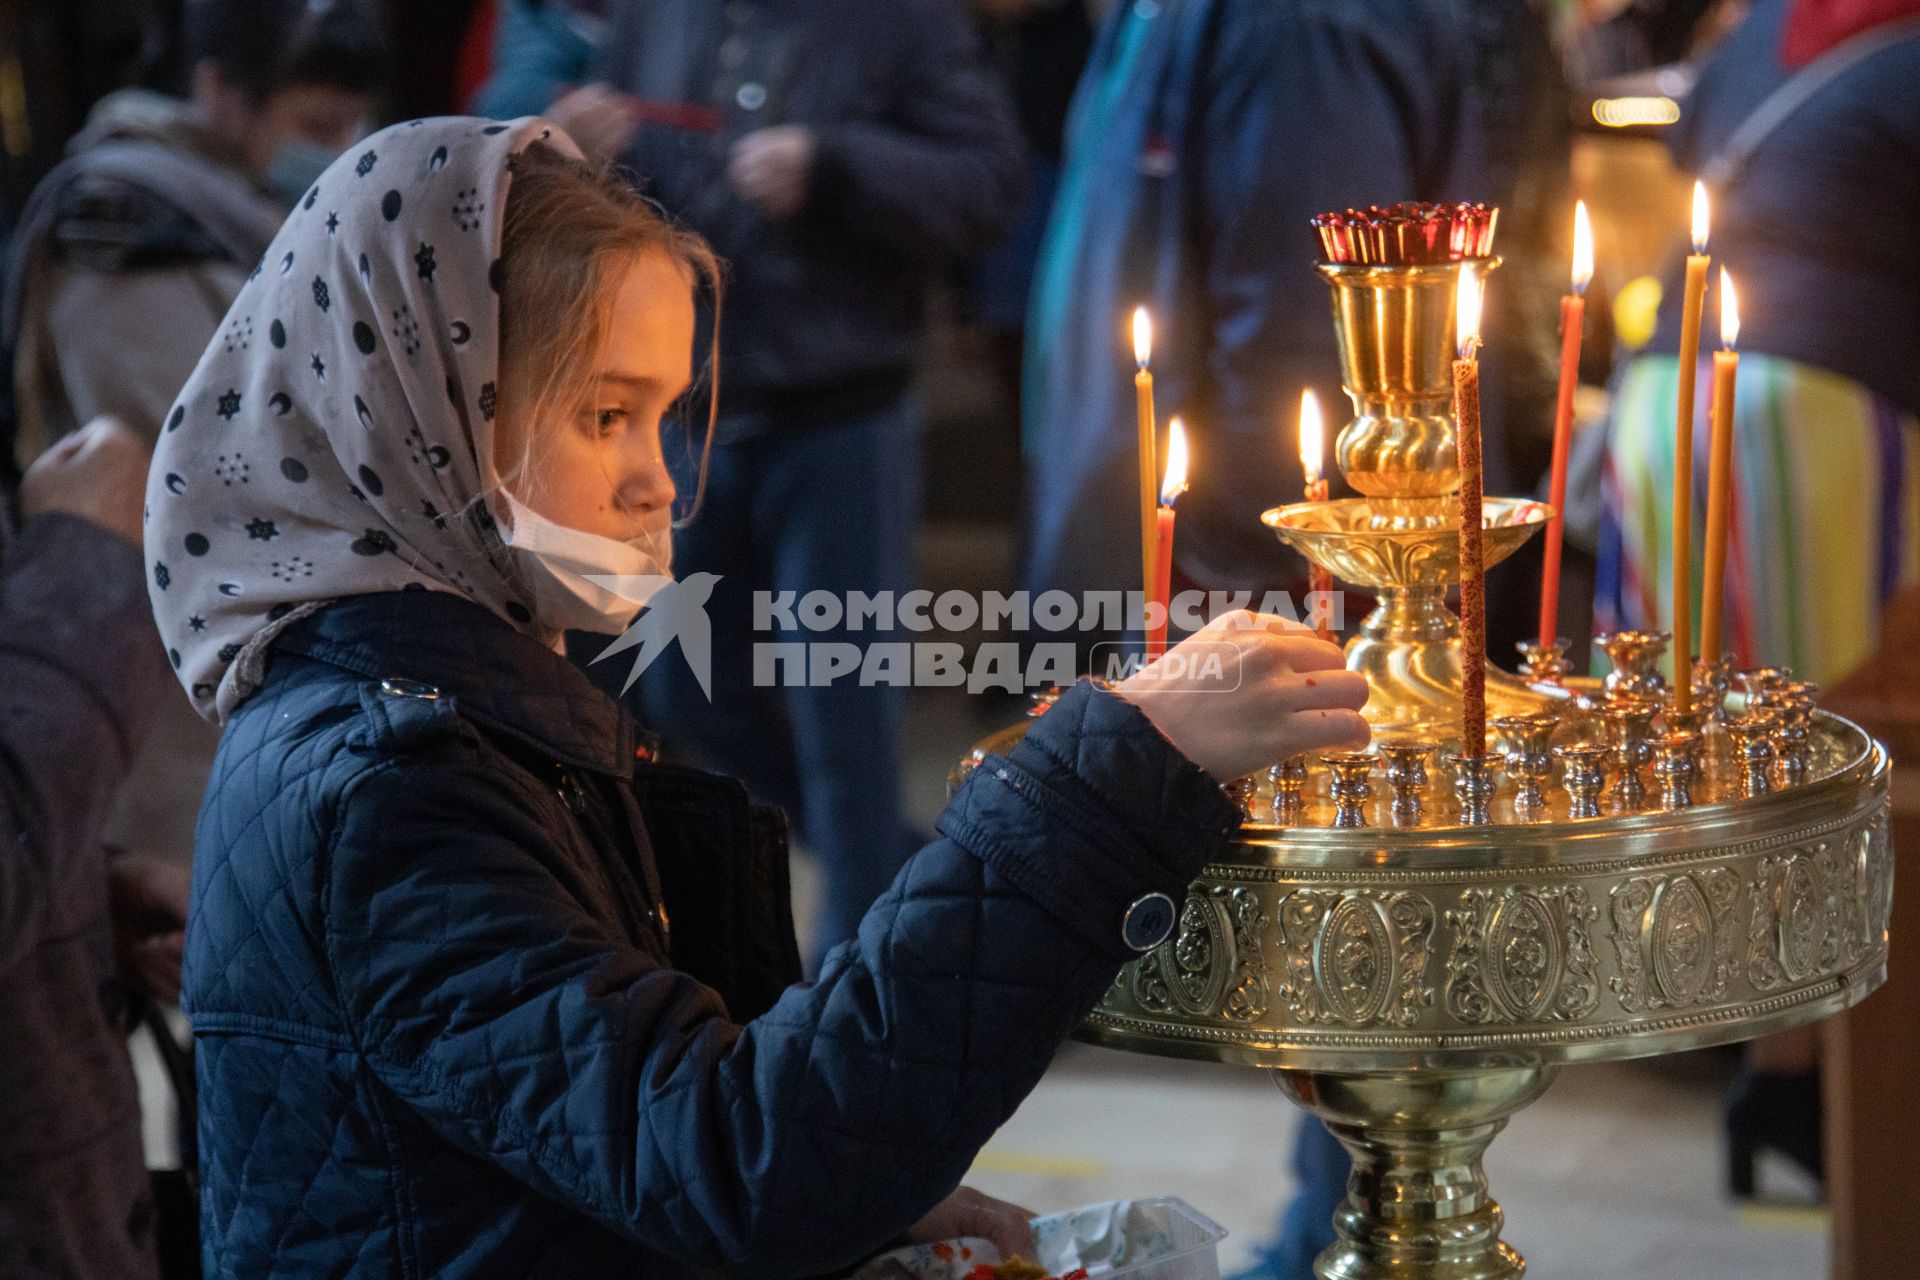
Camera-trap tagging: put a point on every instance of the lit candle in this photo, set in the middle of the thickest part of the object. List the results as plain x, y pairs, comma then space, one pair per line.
1692, 302
1473, 584
1313, 452
1726, 368
1149, 468
1573, 311
1170, 491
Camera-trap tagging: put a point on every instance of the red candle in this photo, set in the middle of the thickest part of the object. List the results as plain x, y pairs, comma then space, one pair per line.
1171, 488
1573, 311
1313, 448
1473, 583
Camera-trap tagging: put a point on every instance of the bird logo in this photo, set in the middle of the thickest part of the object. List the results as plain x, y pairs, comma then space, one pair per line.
675, 610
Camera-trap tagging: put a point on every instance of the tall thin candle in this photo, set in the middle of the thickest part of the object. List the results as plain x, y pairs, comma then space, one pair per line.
1313, 452
1573, 311
1726, 369
1691, 304
1473, 561
1170, 491
1149, 466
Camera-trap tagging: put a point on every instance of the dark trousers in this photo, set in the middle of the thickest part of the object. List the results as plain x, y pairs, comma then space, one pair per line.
826, 508
1306, 1224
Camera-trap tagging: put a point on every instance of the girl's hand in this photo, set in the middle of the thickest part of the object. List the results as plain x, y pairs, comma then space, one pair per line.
1249, 690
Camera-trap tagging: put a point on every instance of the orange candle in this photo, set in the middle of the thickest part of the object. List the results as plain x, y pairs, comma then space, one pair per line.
1692, 302
1473, 560
1313, 449
1170, 491
1149, 468
1726, 369
1573, 311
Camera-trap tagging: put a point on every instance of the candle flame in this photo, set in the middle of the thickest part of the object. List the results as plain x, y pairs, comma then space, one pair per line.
1467, 312
1700, 217
1175, 482
1582, 247
1729, 312
1313, 437
1142, 336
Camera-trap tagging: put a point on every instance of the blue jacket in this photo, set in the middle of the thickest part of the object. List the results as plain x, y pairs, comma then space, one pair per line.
432, 972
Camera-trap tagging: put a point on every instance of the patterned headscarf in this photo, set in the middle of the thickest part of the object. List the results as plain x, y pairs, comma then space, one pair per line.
337, 436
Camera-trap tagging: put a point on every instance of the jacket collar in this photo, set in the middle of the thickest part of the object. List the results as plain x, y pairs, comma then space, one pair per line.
497, 676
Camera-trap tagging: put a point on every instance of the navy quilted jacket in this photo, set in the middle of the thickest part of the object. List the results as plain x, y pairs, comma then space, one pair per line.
440, 1029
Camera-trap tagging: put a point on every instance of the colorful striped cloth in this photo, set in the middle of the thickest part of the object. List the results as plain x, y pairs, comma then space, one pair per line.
1826, 511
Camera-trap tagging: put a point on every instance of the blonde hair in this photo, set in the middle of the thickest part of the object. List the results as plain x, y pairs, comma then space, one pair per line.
567, 225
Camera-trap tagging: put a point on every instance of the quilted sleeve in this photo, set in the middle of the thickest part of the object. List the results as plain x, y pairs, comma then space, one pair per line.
507, 1018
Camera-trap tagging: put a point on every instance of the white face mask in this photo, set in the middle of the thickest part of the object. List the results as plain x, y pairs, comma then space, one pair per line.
558, 561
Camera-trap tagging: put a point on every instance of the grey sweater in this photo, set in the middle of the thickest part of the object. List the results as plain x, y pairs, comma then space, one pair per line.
81, 670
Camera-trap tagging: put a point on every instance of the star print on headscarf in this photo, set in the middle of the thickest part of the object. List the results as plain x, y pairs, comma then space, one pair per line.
197, 623
333, 222
230, 404
423, 258
264, 530
319, 367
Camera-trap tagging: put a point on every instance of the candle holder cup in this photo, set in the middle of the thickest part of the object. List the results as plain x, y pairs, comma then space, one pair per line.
1528, 758
1674, 766
1584, 774
1407, 778
1630, 720
1473, 786
1544, 663
1289, 779
1350, 788
1752, 736
1635, 656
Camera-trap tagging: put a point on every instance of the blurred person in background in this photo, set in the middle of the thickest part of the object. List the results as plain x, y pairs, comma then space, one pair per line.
1805, 124
839, 156
1038, 48
129, 253
121, 271
1204, 137
83, 935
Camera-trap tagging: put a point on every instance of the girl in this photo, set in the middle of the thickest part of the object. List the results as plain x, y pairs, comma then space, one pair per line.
478, 990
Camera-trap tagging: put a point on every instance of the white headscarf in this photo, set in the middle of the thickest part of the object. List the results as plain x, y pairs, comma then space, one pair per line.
336, 435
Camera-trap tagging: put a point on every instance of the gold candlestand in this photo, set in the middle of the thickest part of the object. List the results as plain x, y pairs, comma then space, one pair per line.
1639, 882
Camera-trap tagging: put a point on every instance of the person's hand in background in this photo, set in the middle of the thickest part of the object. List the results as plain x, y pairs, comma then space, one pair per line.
98, 473
596, 117
771, 168
147, 898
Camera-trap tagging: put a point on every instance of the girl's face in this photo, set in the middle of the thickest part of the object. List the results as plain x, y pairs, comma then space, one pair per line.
602, 471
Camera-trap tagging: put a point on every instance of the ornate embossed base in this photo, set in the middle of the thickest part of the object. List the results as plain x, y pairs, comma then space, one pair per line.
1415, 987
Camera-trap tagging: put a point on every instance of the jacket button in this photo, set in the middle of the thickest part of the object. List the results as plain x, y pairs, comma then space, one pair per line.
394, 687
1148, 922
